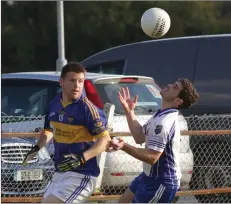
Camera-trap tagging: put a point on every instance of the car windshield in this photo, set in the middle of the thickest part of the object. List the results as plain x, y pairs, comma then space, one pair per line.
24, 100
31, 99
148, 101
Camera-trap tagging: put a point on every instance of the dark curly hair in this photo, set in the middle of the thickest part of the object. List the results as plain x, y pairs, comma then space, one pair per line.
189, 95
72, 67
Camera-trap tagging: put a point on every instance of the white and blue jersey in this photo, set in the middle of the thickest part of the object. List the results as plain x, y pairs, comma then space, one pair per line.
160, 182
162, 134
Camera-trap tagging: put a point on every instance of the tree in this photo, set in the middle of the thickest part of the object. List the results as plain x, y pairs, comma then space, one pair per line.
29, 32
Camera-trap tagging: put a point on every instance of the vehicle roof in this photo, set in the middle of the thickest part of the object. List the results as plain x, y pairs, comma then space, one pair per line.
54, 76
158, 40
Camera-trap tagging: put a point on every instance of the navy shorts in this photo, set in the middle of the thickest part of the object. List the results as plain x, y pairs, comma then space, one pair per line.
151, 190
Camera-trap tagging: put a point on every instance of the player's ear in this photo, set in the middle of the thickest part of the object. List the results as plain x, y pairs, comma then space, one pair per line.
61, 82
179, 101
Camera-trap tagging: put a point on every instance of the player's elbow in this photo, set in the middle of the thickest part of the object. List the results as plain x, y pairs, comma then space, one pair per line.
153, 157
153, 161
139, 139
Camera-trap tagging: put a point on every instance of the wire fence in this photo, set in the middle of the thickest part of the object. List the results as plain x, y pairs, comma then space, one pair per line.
205, 161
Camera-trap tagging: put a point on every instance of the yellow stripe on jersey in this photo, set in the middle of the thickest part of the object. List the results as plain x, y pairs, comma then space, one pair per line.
102, 134
68, 134
93, 109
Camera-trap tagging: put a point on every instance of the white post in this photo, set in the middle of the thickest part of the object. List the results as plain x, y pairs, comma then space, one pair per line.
109, 110
61, 61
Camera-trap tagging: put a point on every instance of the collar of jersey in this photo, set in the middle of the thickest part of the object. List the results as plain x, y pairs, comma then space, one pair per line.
74, 101
165, 111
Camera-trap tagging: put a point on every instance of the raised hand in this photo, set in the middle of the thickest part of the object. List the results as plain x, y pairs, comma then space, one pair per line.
126, 101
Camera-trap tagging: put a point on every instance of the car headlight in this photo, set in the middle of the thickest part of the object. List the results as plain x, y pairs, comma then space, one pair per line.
43, 154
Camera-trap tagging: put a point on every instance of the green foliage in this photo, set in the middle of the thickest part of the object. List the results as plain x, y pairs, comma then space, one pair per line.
29, 29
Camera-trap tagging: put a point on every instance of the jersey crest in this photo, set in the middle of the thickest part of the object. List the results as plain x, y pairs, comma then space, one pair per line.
158, 129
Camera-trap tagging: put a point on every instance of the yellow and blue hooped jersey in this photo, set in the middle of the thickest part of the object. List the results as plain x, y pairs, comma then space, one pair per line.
75, 126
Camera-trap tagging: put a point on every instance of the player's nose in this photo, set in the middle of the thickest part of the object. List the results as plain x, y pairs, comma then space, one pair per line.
75, 85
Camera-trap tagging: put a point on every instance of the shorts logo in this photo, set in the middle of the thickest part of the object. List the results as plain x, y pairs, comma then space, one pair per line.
158, 129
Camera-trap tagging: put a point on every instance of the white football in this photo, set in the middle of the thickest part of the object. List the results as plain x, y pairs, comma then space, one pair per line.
155, 22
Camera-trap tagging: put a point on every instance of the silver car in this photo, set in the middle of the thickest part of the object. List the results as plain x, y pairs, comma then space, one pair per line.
19, 180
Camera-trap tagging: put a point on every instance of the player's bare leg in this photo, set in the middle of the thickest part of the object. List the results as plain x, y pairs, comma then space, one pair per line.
127, 197
51, 199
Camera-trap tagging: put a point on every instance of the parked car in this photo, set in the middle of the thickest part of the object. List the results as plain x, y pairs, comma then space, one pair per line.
28, 94
206, 61
19, 180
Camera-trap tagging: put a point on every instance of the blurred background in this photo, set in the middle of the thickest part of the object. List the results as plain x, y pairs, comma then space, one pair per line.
29, 29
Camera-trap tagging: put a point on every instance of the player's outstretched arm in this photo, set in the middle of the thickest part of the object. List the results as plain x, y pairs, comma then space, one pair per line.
129, 106
101, 145
96, 122
146, 155
135, 128
44, 137
156, 144
73, 161
46, 134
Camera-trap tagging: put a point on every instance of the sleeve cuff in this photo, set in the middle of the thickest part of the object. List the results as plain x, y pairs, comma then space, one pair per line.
158, 149
157, 146
102, 134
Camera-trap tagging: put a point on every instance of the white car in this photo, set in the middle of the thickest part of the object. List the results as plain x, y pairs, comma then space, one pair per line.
28, 94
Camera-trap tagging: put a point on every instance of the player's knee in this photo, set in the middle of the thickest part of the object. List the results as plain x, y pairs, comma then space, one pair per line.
51, 199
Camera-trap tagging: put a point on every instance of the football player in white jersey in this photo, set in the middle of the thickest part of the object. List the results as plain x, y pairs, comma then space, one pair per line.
160, 179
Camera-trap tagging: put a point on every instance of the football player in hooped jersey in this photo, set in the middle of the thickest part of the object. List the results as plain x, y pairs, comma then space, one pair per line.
160, 179
74, 123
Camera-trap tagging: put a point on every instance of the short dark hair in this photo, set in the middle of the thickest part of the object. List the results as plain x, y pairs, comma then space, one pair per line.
189, 95
72, 67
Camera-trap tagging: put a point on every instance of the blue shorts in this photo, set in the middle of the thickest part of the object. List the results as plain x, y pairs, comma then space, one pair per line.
151, 190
